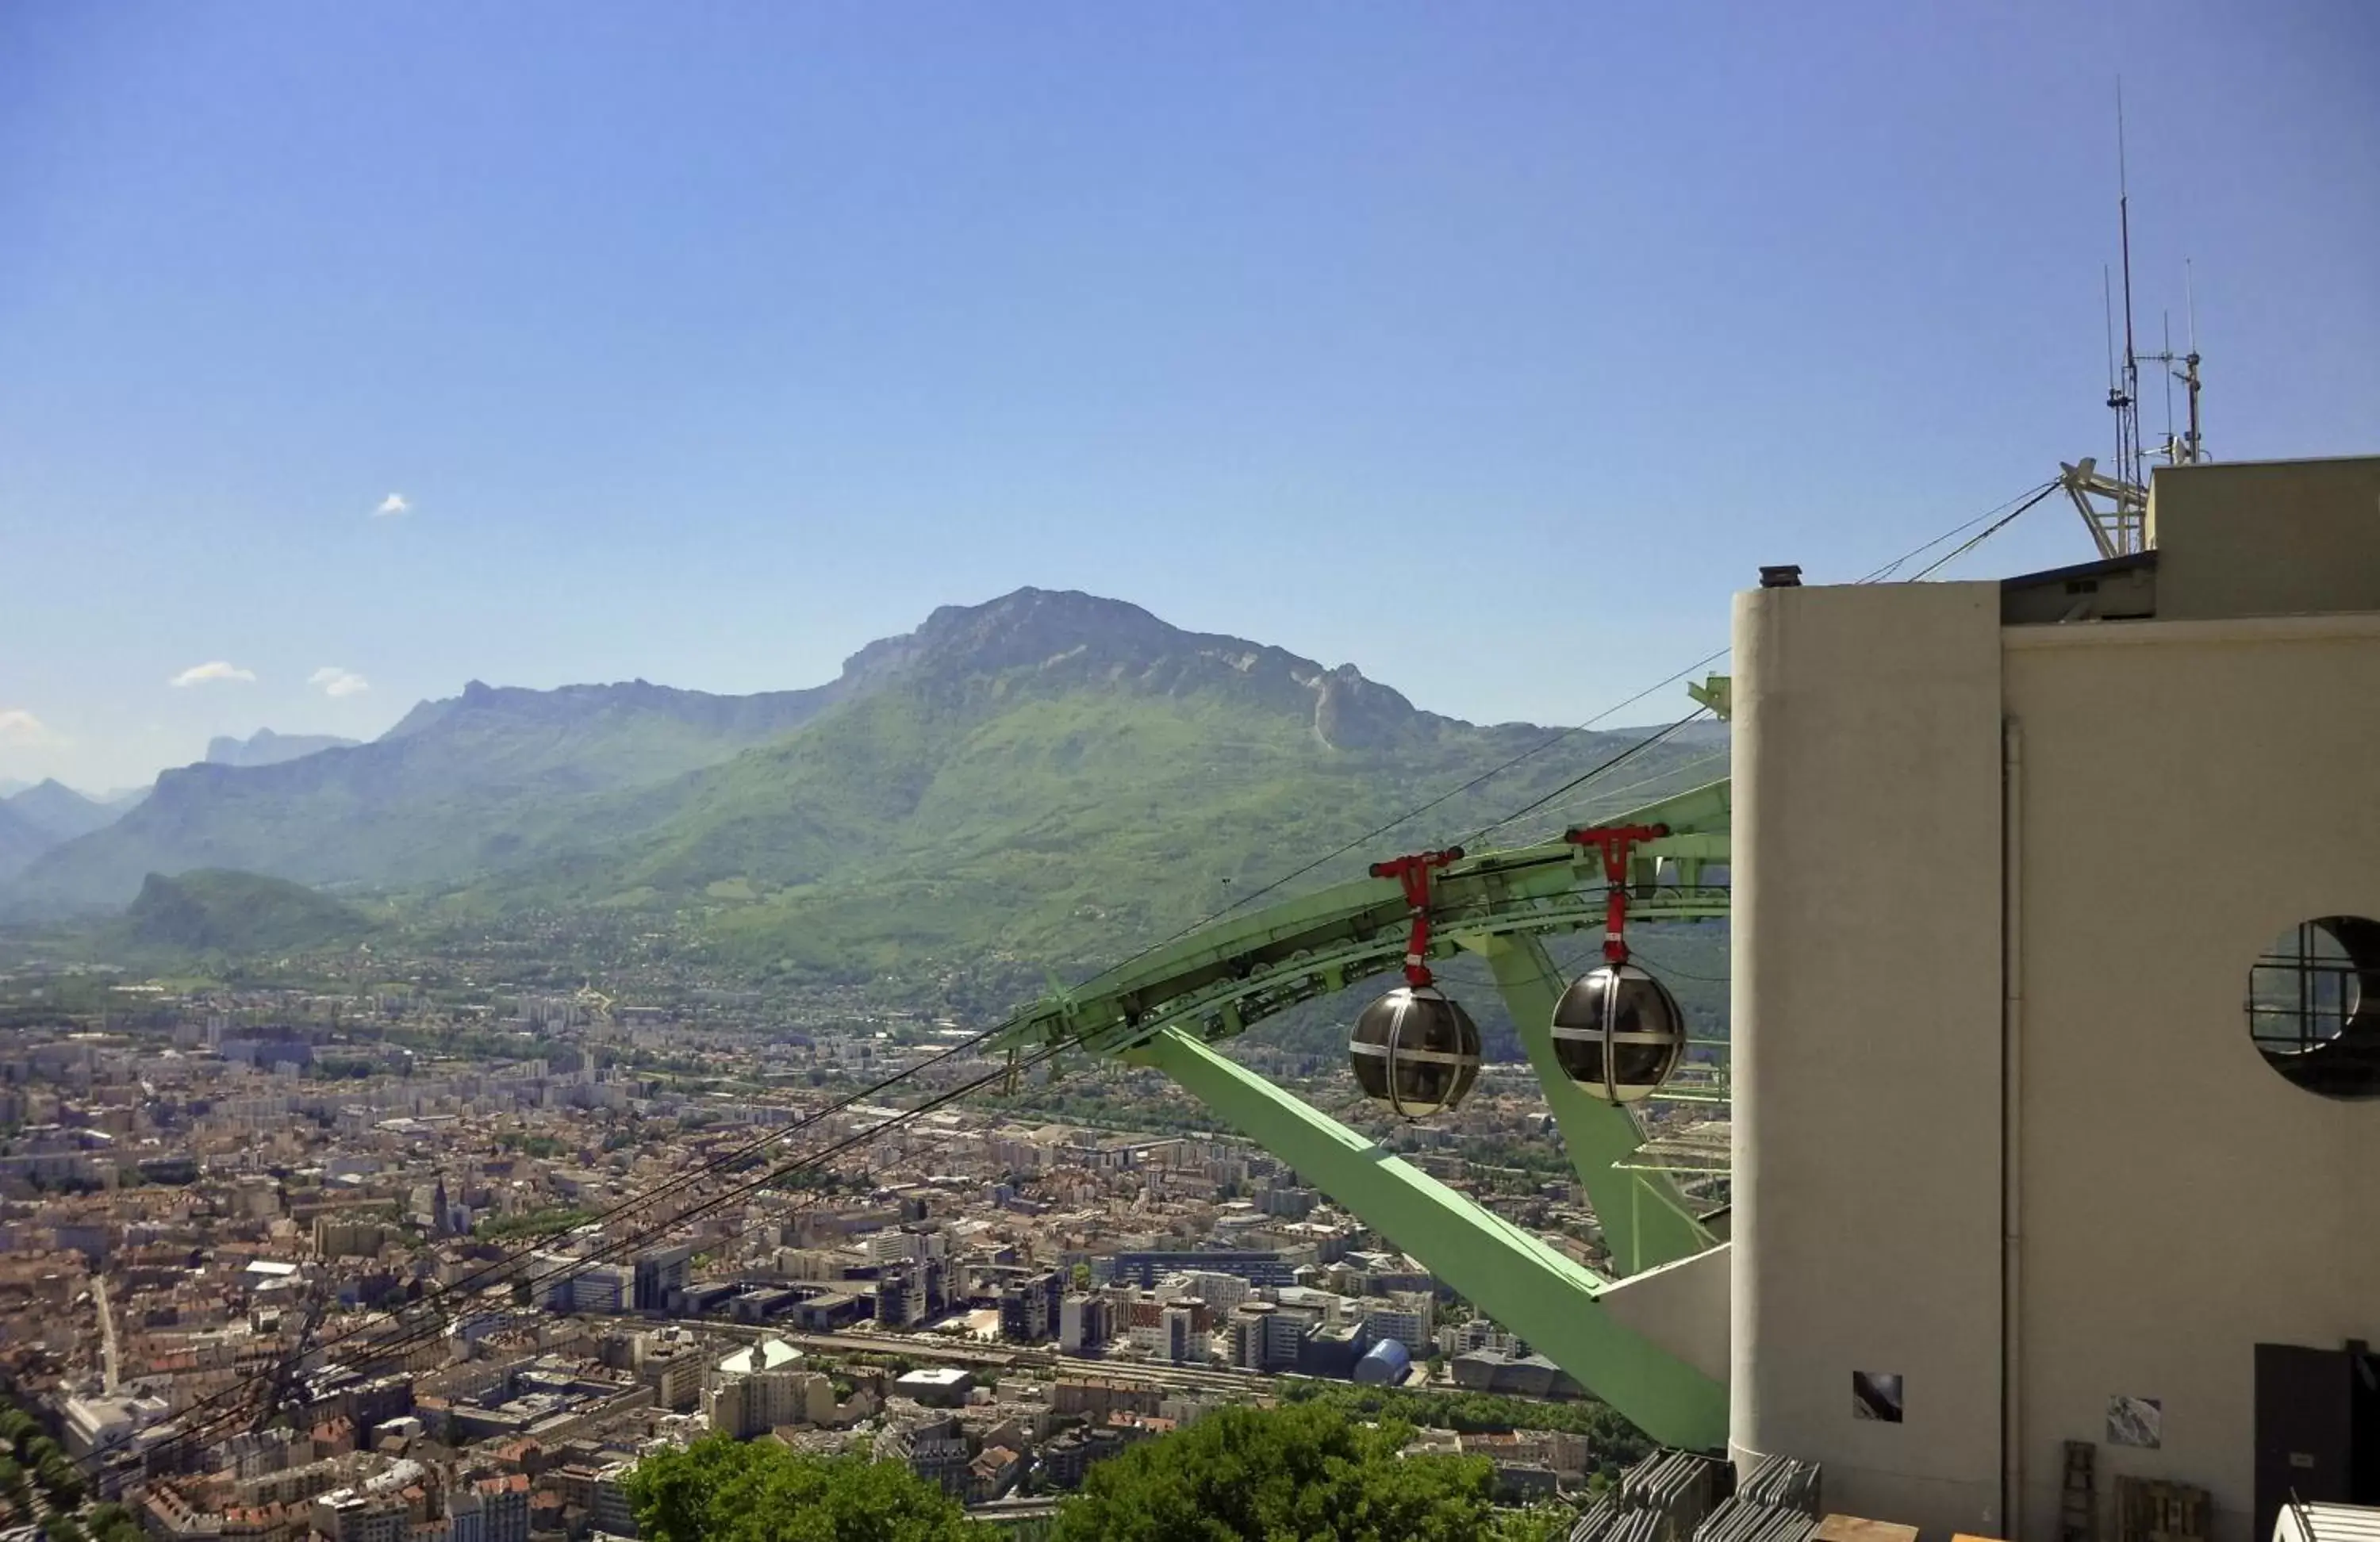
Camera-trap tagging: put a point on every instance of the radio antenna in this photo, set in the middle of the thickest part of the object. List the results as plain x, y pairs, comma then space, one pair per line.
2114, 502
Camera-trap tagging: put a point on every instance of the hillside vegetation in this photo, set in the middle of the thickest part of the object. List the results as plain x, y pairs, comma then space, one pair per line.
236, 913
1050, 779
1308, 1472
1046, 781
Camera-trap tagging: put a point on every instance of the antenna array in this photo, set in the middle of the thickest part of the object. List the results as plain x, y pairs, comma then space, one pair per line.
2121, 527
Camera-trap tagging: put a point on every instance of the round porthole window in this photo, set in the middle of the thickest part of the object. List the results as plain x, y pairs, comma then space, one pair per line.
2313, 1006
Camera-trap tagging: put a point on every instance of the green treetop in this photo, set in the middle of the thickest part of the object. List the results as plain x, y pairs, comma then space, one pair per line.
1305, 1471
719, 1490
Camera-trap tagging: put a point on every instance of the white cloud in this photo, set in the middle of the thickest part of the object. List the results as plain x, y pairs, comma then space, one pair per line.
336, 681
19, 726
396, 503
199, 675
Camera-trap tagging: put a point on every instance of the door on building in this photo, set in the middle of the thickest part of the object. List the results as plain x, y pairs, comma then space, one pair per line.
2317, 1428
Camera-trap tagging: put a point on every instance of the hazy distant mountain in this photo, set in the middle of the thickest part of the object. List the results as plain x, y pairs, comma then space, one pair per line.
21, 841
42, 816
11, 785
60, 812
446, 791
264, 747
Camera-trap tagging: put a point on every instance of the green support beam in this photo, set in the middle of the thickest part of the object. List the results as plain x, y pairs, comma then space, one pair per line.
1646, 1221
1231, 973
1165, 1007
1514, 1277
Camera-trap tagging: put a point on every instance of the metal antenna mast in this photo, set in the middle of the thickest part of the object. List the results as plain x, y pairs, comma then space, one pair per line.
2127, 412
2193, 451
2114, 503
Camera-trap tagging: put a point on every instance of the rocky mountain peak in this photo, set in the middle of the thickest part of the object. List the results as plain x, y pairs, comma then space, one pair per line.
1066, 637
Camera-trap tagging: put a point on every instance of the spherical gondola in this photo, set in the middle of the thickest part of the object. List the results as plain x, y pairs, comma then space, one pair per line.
1415, 1050
1618, 1033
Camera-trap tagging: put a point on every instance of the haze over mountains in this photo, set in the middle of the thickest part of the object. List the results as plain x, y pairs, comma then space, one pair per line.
1048, 771
264, 747
39, 815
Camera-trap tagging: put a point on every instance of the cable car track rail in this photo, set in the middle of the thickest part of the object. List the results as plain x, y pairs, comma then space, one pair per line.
1231, 974
1166, 1009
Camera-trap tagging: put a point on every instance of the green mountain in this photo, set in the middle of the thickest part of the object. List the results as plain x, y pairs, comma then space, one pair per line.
460, 785
60, 812
264, 747
1047, 780
216, 910
1044, 781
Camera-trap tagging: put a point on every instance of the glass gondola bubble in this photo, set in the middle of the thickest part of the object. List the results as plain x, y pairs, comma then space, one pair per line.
1618, 1033
1415, 1050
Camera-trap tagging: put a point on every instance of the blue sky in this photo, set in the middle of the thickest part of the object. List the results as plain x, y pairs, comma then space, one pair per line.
1488, 348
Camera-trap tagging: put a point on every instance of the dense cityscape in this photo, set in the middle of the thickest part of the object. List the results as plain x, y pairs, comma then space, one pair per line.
444, 1266
1221, 774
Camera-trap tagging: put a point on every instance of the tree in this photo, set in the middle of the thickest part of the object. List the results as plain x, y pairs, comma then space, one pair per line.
720, 1490
1539, 1522
1302, 1471
59, 1480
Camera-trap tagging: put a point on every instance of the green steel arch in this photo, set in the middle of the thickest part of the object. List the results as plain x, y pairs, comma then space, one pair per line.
1168, 1008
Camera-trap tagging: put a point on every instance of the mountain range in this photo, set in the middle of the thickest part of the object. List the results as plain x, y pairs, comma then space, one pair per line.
39, 816
264, 747
1049, 775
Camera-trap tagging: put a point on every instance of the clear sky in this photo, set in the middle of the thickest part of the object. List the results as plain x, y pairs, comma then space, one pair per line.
1488, 348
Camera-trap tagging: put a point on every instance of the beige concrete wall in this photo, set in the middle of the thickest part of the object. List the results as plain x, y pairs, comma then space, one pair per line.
2189, 790
2272, 537
1867, 1054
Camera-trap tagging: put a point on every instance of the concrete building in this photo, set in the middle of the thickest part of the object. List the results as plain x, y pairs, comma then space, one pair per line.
569, 1286
658, 1272
1032, 1308
935, 1386
1248, 1335
1408, 1318
1069, 1454
347, 1515
674, 1373
1084, 1322
1145, 1269
755, 1389
901, 1297
609, 1508
467, 1517
2014, 1164
97, 1423
504, 1508
934, 1448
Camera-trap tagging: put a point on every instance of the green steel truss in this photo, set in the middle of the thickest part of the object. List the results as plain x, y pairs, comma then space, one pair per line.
1166, 1007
